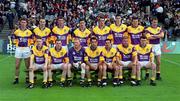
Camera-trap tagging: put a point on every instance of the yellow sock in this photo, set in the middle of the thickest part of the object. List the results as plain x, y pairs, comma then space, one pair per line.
152, 78
44, 81
147, 72
50, 80
138, 78
62, 79
104, 77
99, 79
120, 77
115, 77
89, 80
31, 81
133, 77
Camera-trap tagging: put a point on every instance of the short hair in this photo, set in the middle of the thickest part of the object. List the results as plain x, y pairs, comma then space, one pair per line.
82, 20
154, 18
143, 37
101, 17
118, 15
38, 37
125, 37
76, 38
60, 17
58, 40
93, 38
42, 19
23, 19
135, 18
108, 40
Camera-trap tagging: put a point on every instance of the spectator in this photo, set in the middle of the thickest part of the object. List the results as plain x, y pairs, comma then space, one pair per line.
10, 18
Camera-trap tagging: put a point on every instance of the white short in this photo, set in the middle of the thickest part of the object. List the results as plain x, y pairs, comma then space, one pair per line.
109, 64
65, 47
156, 48
95, 65
85, 47
115, 46
143, 63
101, 47
78, 65
125, 63
22, 52
57, 66
38, 66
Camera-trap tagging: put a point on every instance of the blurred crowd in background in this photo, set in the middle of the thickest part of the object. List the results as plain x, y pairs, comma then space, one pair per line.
167, 12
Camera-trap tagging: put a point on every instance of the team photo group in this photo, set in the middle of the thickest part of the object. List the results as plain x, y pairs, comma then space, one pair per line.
99, 56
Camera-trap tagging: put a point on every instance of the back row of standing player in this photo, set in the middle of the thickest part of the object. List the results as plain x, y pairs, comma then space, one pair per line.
23, 37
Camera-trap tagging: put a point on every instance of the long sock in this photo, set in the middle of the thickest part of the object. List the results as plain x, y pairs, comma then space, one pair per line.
50, 75
45, 75
31, 76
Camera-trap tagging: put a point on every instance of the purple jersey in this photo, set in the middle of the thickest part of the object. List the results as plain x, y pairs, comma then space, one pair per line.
102, 34
83, 41
135, 38
117, 36
56, 60
101, 39
144, 57
76, 56
126, 57
94, 59
154, 31
39, 60
63, 38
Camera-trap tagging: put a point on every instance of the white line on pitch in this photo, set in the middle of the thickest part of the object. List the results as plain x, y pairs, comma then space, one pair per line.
170, 61
5, 58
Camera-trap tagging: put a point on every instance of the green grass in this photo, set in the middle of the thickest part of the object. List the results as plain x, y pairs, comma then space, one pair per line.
166, 90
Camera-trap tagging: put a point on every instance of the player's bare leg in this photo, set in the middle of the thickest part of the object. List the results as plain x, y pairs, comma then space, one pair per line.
104, 74
17, 67
133, 73
45, 76
100, 72
87, 71
115, 69
152, 66
65, 68
83, 66
27, 64
50, 68
69, 74
31, 77
138, 73
158, 63
147, 74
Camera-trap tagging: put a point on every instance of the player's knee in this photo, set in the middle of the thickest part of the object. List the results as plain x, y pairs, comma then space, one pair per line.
17, 66
83, 71
104, 68
68, 65
119, 67
31, 69
138, 68
158, 62
65, 67
87, 68
49, 68
44, 69
100, 68
83, 65
153, 67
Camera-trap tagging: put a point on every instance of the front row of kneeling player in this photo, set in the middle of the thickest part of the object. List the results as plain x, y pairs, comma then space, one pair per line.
93, 58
